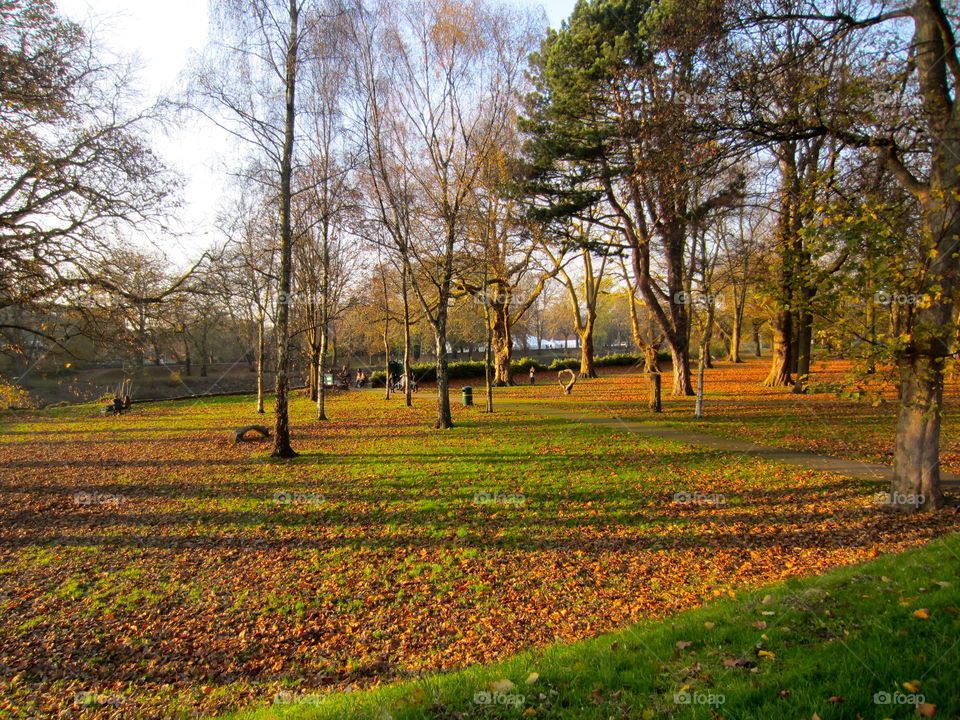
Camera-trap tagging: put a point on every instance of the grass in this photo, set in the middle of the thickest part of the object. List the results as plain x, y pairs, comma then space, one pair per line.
876, 640
203, 576
736, 405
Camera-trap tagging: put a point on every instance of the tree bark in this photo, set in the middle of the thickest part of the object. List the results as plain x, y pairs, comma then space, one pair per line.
916, 465
281, 437
407, 372
444, 417
587, 367
682, 380
321, 362
779, 375
736, 332
655, 404
261, 349
499, 321
804, 348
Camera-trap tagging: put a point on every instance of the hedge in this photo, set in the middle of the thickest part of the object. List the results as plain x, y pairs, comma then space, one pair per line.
470, 369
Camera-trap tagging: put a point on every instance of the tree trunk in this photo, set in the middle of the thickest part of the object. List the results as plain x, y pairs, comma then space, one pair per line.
587, 367
314, 372
655, 404
698, 411
736, 333
321, 362
804, 348
499, 322
779, 375
682, 381
444, 417
407, 372
261, 348
757, 343
281, 437
487, 362
916, 464
708, 337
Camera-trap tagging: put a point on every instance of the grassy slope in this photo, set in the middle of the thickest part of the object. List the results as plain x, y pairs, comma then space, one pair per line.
833, 646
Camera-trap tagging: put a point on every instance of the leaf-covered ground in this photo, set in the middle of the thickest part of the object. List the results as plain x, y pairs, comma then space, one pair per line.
736, 405
149, 566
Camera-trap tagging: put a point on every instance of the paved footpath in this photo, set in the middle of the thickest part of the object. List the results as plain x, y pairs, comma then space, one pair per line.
874, 472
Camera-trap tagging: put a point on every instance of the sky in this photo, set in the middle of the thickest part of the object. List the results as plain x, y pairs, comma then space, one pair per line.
164, 35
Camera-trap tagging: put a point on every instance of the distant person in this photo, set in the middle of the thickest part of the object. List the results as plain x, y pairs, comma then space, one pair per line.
412, 381
533, 375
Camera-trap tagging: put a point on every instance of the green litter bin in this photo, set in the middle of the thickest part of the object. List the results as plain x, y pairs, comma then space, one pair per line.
467, 396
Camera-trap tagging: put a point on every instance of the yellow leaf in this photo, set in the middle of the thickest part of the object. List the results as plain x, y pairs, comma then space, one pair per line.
532, 678
922, 613
502, 685
912, 687
765, 653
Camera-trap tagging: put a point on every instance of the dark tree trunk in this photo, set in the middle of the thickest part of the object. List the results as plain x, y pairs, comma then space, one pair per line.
261, 350
281, 439
502, 344
444, 416
804, 347
916, 467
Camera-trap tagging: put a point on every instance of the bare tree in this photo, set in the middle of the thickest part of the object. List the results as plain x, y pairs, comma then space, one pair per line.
249, 86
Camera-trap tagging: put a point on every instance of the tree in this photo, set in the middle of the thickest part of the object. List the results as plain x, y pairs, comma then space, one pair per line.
507, 279
913, 128
454, 72
615, 134
584, 294
77, 174
251, 259
248, 86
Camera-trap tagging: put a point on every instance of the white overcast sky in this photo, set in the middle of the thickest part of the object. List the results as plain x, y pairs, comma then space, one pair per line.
164, 34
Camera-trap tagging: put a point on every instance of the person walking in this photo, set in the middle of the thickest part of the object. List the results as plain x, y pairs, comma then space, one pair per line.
533, 375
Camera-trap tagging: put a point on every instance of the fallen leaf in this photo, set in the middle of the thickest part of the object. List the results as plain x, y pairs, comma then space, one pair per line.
502, 685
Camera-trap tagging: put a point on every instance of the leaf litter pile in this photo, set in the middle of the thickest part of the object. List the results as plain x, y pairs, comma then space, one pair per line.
150, 567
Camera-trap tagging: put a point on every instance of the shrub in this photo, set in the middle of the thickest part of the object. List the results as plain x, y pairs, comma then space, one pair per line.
565, 364
472, 369
14, 396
